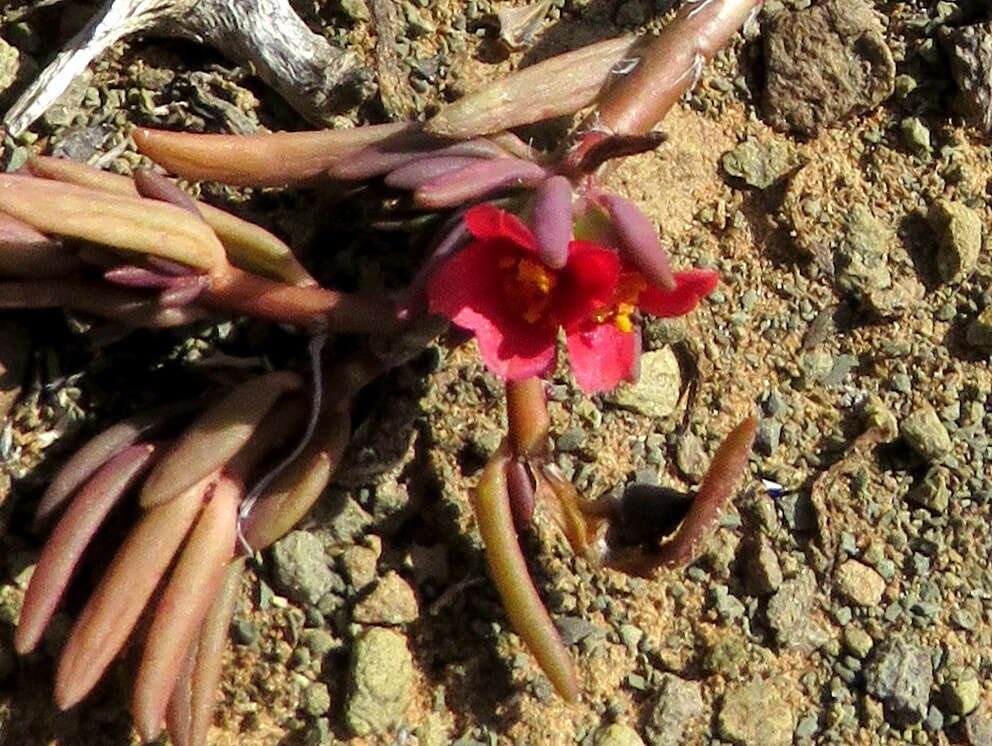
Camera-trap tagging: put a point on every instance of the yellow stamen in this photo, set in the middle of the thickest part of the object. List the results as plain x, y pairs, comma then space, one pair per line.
528, 285
629, 289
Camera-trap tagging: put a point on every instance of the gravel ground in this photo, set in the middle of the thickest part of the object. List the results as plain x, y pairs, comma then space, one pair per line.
832, 166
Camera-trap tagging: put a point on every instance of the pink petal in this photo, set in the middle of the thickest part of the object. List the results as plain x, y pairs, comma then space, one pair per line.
589, 281
488, 221
691, 286
466, 289
602, 356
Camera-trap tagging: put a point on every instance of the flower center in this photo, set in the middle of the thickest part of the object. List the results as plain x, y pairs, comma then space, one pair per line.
528, 285
629, 289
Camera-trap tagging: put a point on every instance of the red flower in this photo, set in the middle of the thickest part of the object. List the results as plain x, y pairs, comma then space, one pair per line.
498, 288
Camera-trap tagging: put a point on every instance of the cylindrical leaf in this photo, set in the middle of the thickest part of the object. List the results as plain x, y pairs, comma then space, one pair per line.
127, 307
477, 181
726, 469
240, 292
670, 64
114, 608
639, 242
142, 225
27, 252
551, 221
192, 703
296, 490
70, 538
412, 175
386, 156
86, 460
182, 608
273, 159
552, 88
249, 246
216, 436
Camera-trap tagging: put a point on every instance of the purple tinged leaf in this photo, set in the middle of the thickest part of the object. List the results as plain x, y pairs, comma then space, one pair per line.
183, 606
552, 220
618, 146
192, 703
272, 159
168, 267
84, 463
154, 185
639, 242
412, 175
131, 276
520, 489
384, 157
71, 537
112, 611
182, 291
478, 181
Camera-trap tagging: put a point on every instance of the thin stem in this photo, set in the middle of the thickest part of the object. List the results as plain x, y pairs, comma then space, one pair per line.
527, 418
523, 605
671, 64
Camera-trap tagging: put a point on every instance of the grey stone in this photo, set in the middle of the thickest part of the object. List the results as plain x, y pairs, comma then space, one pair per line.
958, 229
916, 135
760, 163
728, 607
392, 601
381, 682
316, 699
617, 735
825, 63
755, 714
815, 366
901, 675
962, 696
657, 389
926, 434
69, 103
763, 572
970, 52
678, 703
319, 642
932, 492
769, 434
356, 10
859, 584
690, 457
978, 728
858, 641
862, 264
789, 614
10, 64
359, 565
300, 569
349, 521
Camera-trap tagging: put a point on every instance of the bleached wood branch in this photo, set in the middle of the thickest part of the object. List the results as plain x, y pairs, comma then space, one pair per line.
266, 35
